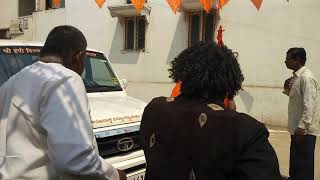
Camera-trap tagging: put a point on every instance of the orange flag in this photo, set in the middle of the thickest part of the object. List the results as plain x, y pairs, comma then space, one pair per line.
100, 3
222, 3
207, 5
176, 89
257, 3
56, 3
138, 4
174, 4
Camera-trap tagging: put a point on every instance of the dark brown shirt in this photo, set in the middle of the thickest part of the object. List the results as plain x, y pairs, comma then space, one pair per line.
189, 139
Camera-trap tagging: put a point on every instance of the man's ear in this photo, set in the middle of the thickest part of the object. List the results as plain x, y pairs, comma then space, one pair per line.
77, 55
80, 55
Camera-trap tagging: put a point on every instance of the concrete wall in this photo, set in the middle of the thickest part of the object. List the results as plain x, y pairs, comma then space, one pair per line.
91, 20
28, 31
166, 36
44, 21
8, 11
262, 38
39, 23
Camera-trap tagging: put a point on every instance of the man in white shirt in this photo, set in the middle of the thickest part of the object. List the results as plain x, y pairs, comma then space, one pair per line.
45, 125
303, 115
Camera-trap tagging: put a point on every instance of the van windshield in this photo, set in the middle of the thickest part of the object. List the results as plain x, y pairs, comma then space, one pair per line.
98, 75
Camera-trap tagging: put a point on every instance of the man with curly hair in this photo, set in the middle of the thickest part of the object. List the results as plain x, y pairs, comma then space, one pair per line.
193, 136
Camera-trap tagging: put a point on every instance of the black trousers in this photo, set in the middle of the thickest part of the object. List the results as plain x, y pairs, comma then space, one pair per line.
302, 158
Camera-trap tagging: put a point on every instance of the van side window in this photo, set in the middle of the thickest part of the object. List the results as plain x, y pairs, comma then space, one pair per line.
5, 66
10, 64
27, 59
13, 63
4, 74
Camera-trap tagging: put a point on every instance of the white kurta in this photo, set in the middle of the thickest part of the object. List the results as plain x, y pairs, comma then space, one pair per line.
303, 108
45, 127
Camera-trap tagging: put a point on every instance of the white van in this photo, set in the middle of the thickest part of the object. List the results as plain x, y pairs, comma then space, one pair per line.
116, 116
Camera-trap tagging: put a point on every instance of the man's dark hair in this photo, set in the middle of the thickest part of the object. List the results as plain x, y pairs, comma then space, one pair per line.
62, 41
207, 71
297, 54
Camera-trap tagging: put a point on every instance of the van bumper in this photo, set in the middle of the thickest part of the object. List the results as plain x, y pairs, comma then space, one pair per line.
133, 163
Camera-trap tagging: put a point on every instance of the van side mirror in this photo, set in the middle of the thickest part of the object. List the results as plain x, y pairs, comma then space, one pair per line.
124, 83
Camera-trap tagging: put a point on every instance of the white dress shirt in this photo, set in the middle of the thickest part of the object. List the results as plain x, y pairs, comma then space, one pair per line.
45, 127
303, 108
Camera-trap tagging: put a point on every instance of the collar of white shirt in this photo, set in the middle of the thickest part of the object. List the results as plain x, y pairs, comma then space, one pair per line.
299, 72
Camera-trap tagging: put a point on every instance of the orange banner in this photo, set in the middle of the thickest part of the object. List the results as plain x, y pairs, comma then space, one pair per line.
257, 3
56, 3
174, 5
222, 3
100, 3
207, 5
138, 4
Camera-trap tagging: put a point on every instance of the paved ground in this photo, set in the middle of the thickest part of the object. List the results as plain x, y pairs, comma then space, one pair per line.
280, 141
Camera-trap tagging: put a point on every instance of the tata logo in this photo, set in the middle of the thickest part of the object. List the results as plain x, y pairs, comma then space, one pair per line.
125, 144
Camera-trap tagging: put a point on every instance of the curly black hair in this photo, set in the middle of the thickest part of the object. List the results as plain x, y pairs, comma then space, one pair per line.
207, 71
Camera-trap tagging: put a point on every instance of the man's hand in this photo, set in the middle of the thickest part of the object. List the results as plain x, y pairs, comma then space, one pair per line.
299, 133
287, 86
122, 175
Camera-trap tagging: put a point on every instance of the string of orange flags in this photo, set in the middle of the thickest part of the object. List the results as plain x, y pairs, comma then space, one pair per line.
257, 3
175, 4
222, 3
207, 5
100, 3
56, 3
138, 4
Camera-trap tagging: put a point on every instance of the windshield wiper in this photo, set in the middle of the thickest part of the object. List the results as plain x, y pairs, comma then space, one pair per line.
102, 88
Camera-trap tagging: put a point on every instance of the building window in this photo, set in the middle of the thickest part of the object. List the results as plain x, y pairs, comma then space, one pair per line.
141, 31
55, 4
130, 28
130, 2
26, 7
201, 26
135, 30
5, 34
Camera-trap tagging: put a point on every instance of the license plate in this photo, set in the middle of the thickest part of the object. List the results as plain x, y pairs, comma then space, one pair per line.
139, 176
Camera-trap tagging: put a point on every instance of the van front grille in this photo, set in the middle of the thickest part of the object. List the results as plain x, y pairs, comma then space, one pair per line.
118, 145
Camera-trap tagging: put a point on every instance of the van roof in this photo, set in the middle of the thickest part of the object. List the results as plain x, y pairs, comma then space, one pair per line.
19, 43
29, 43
